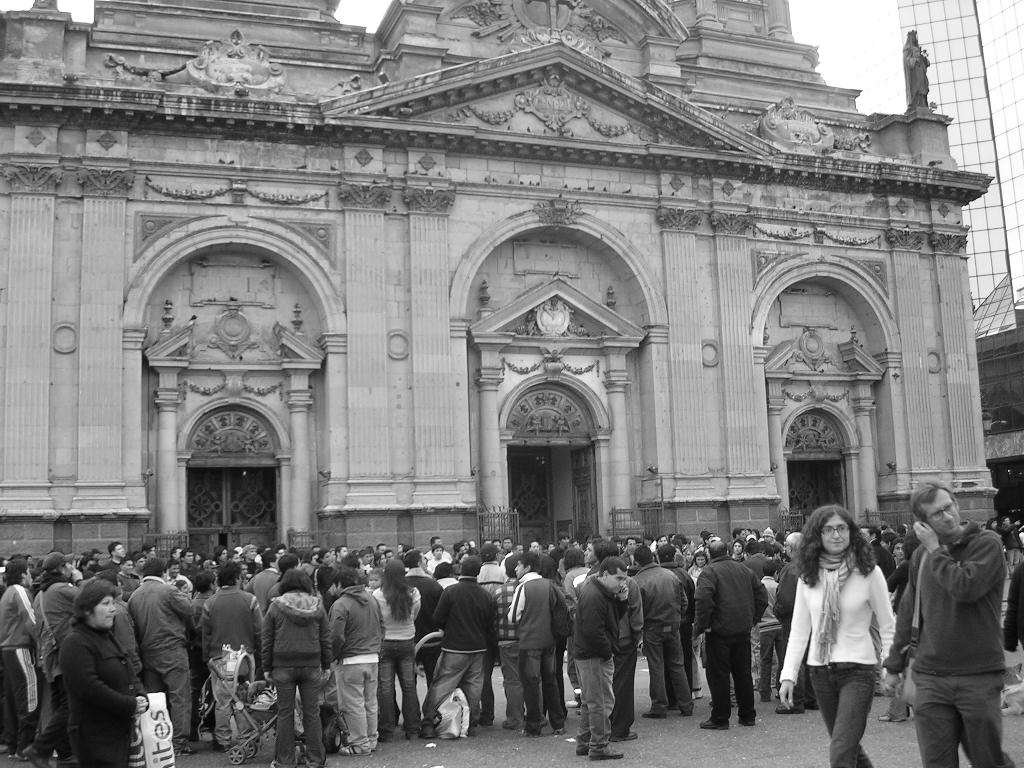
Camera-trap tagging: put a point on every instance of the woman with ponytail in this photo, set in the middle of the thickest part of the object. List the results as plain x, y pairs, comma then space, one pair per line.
842, 609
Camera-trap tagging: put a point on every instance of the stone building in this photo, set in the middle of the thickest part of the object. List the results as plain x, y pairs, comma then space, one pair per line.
268, 275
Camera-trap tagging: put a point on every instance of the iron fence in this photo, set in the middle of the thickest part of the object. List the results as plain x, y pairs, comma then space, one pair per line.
638, 521
166, 542
497, 523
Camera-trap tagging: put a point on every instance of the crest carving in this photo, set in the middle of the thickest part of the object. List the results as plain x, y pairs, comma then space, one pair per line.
558, 211
548, 413
234, 67
787, 124
552, 318
232, 333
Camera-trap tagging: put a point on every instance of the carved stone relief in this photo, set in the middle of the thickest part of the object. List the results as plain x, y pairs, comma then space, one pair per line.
548, 413
813, 433
231, 432
106, 182
731, 223
904, 239
791, 126
364, 195
27, 179
234, 67
949, 242
678, 218
428, 199
558, 211
552, 318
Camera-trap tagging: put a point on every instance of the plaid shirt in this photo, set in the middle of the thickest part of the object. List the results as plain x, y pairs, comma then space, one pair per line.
503, 599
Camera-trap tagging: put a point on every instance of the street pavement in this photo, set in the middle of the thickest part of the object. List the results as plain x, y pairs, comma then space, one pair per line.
792, 741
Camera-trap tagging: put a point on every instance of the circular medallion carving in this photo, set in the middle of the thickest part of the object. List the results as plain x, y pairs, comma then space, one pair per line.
233, 327
398, 345
709, 353
553, 317
65, 338
934, 361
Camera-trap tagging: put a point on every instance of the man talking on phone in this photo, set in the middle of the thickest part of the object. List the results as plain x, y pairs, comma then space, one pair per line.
959, 663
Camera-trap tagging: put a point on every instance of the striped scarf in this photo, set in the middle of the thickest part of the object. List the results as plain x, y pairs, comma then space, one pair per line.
834, 571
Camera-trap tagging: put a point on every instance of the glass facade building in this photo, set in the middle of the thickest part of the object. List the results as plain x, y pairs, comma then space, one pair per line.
960, 75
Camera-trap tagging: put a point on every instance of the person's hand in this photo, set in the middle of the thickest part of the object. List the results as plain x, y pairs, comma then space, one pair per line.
141, 704
786, 693
926, 535
889, 682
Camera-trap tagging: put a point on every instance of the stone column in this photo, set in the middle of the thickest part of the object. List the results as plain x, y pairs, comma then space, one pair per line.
336, 347
777, 441
131, 416
913, 295
100, 346
744, 414
433, 387
170, 513
492, 470
779, 23
300, 399
25, 437
615, 382
961, 365
284, 497
863, 408
460, 419
366, 307
683, 289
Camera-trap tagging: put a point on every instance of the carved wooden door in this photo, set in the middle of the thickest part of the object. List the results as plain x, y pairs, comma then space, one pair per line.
584, 507
815, 483
529, 492
232, 506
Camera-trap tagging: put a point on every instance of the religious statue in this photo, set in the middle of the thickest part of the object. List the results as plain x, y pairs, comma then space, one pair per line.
915, 72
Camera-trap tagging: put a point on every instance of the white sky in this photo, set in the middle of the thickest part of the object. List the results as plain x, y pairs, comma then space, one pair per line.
859, 43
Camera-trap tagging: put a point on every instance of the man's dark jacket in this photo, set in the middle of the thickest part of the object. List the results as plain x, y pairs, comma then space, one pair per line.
1013, 624
785, 596
466, 614
430, 595
596, 629
663, 597
730, 598
677, 570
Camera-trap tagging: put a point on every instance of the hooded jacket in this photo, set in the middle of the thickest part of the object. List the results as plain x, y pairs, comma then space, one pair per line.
357, 625
58, 597
596, 629
296, 633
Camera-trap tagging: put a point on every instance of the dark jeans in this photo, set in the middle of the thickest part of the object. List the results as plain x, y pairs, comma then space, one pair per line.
845, 693
730, 655
21, 698
772, 648
309, 682
455, 670
803, 692
540, 692
960, 709
665, 660
487, 690
561, 645
624, 711
53, 733
397, 657
428, 657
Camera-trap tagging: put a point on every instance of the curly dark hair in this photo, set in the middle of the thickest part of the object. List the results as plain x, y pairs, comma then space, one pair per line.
812, 548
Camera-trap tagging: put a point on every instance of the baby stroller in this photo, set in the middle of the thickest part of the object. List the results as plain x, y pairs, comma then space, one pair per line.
253, 702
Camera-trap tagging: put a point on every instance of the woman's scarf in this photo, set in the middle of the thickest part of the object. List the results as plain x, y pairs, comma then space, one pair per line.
834, 571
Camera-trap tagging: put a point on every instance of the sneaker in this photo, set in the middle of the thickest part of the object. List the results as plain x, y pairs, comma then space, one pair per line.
427, 732
714, 725
508, 725
582, 750
686, 711
780, 710
558, 731
18, 757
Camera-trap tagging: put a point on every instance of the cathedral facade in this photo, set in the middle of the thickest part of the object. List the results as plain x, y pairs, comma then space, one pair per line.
268, 277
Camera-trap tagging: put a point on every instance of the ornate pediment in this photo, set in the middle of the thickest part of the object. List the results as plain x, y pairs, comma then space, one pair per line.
555, 311
294, 346
232, 66
552, 92
173, 345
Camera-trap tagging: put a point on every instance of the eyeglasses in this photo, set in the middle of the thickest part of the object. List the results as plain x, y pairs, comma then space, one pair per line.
835, 530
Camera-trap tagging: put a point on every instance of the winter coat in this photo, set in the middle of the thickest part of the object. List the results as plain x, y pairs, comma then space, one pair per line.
1013, 624
430, 594
730, 599
101, 690
19, 625
596, 628
296, 633
466, 614
162, 616
663, 597
679, 571
357, 624
231, 617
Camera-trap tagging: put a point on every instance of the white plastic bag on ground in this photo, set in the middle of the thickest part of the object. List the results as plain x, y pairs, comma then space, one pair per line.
454, 712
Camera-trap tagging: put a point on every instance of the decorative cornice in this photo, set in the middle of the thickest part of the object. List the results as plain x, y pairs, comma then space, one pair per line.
364, 195
106, 182
558, 211
949, 242
731, 223
33, 179
428, 199
679, 218
904, 239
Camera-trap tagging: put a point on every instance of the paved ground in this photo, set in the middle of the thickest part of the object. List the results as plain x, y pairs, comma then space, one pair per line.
796, 741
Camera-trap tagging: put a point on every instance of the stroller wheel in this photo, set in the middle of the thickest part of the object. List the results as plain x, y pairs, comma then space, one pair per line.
236, 755
251, 748
334, 738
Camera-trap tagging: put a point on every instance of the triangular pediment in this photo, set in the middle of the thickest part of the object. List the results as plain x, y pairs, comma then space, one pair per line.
173, 345
553, 311
554, 92
294, 347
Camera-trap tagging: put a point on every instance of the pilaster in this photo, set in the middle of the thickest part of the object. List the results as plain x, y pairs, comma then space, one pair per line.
133, 473
335, 345
25, 428
615, 382
170, 512
299, 516
492, 469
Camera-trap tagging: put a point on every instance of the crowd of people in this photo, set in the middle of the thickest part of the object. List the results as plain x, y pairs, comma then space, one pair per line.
818, 619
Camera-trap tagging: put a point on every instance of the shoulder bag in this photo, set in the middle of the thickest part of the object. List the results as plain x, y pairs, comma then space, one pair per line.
910, 649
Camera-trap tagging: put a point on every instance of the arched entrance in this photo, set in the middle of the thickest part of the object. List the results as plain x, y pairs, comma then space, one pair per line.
233, 480
815, 463
552, 481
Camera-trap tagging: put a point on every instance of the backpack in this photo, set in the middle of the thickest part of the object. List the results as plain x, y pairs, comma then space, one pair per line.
561, 621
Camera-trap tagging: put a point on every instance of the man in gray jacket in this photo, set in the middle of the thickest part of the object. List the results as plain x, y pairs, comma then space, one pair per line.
163, 618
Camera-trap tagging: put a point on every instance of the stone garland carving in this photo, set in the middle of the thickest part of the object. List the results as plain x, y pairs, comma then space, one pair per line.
812, 433
283, 198
189, 192
122, 69
821, 235
816, 395
209, 391
106, 182
948, 242
731, 223
905, 239
364, 195
261, 391
787, 234
232, 66
558, 211
789, 125
33, 178
553, 363
429, 199
678, 218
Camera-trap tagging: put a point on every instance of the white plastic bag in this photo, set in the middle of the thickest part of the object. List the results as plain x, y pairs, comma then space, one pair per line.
454, 712
152, 736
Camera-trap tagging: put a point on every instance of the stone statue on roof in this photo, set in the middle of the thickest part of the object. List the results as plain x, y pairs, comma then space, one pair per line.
915, 72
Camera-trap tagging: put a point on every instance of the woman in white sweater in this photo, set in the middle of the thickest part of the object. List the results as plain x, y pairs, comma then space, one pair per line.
842, 607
